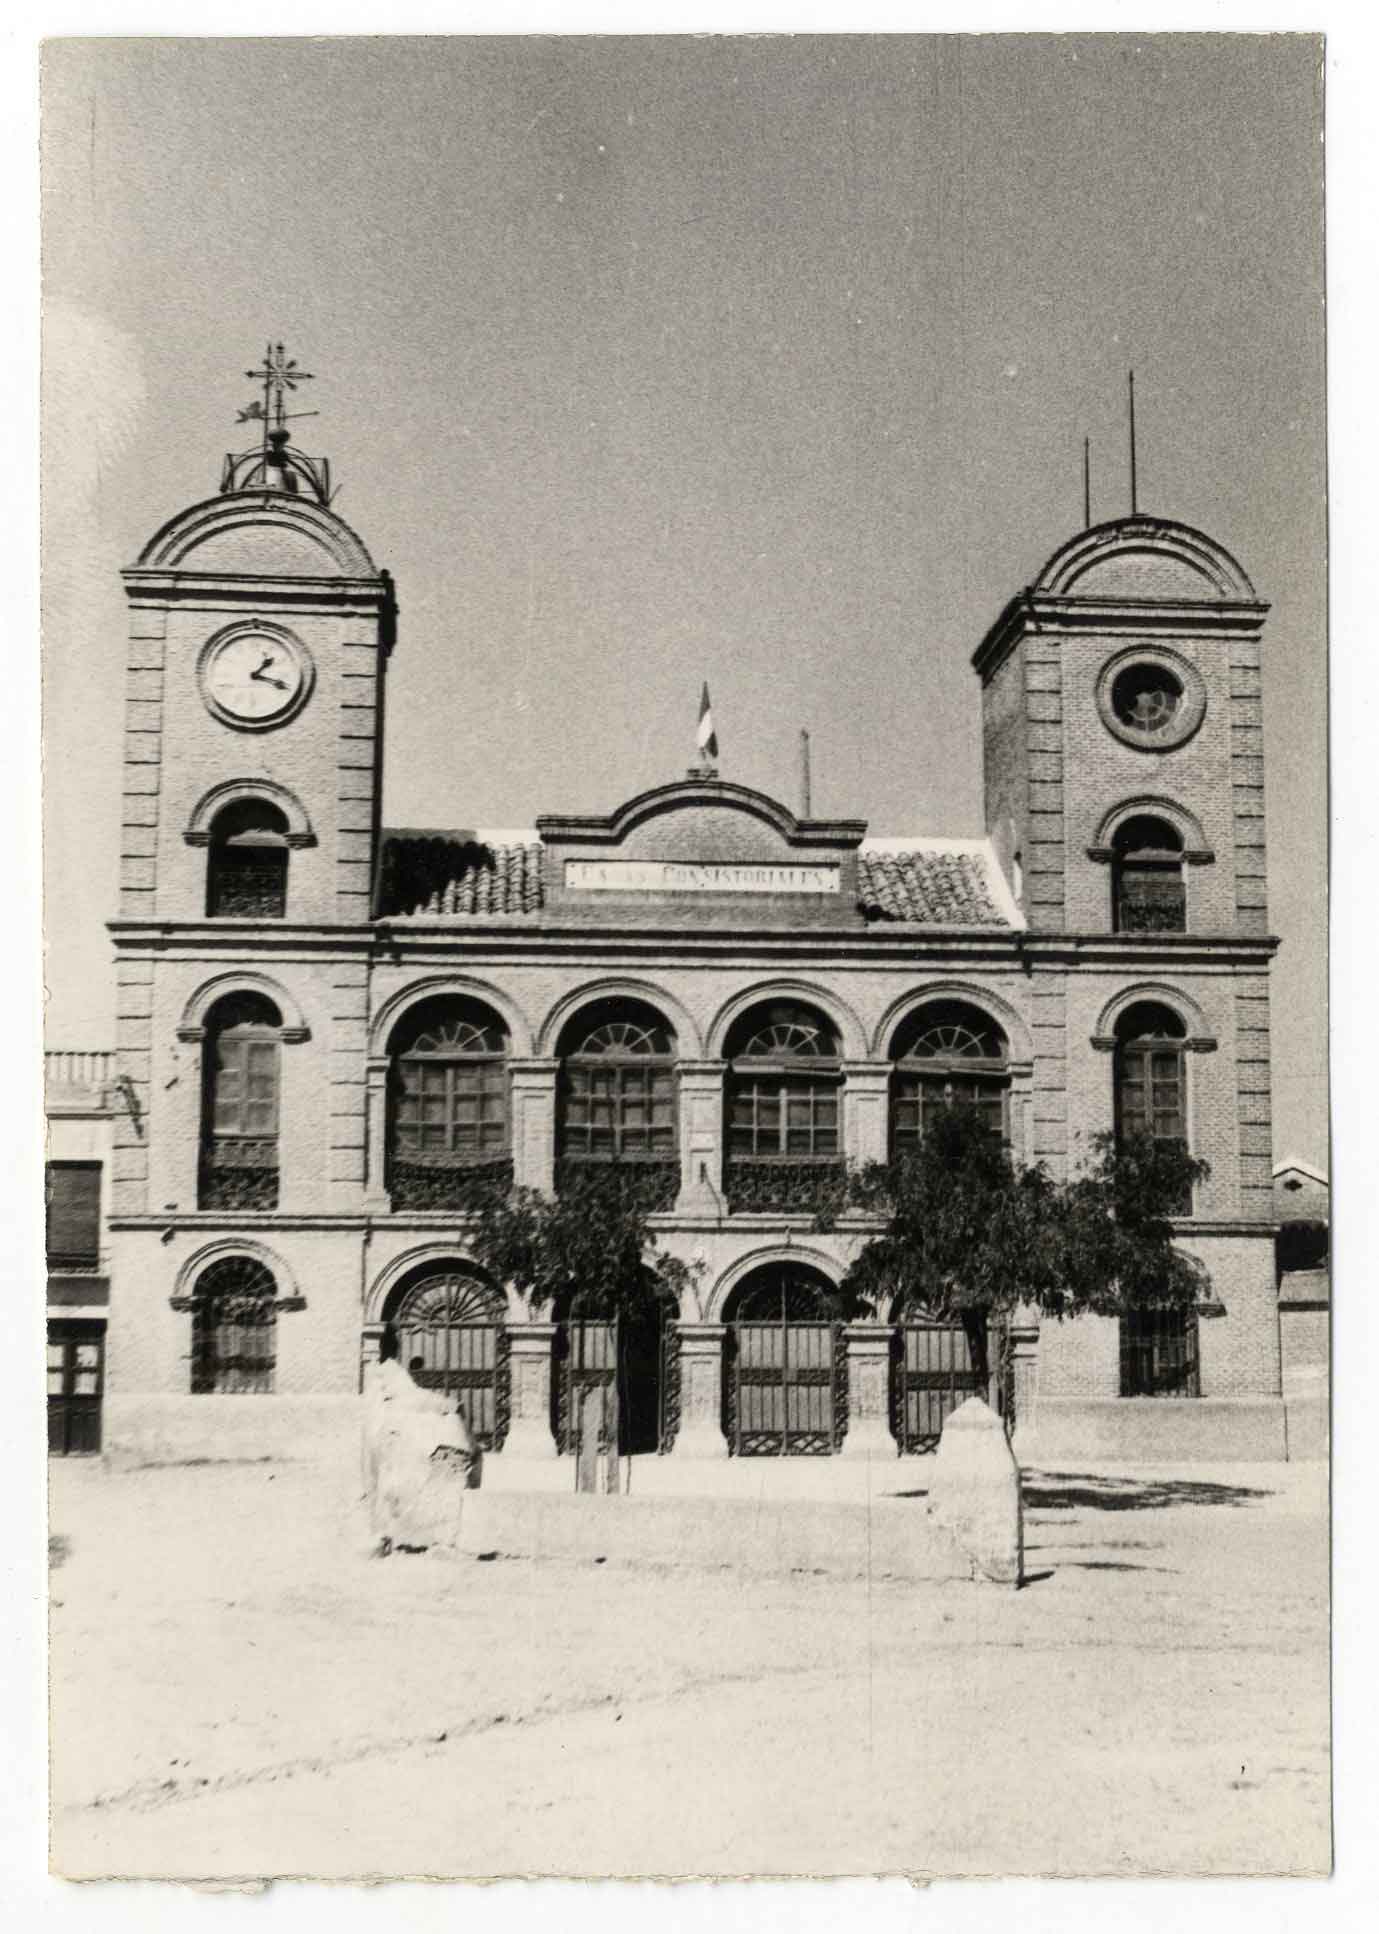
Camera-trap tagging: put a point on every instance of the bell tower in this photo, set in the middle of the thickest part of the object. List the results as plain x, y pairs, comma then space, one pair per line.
1124, 687
260, 630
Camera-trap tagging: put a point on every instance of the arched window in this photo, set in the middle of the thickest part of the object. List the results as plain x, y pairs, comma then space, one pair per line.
1151, 1078
947, 1052
246, 877
449, 1114
234, 1328
239, 1104
616, 1099
1148, 894
783, 1092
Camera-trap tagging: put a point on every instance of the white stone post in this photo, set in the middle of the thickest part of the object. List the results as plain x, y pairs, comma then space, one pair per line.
533, 1123
376, 1199
866, 1100
701, 1391
974, 1493
529, 1369
869, 1392
701, 1138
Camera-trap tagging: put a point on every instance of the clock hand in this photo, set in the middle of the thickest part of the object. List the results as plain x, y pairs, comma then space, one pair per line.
261, 674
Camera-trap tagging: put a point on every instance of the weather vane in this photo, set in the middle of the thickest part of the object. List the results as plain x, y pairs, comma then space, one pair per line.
274, 466
278, 374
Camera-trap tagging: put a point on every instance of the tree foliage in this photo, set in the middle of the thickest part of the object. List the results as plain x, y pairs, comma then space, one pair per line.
968, 1229
590, 1249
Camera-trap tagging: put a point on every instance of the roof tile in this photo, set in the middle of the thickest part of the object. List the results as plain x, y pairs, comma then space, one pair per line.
442, 875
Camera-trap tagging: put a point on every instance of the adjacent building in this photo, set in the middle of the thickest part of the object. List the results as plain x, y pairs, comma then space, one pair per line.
81, 1099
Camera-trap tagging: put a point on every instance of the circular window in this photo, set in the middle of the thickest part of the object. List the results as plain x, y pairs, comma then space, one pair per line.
1146, 697
1152, 698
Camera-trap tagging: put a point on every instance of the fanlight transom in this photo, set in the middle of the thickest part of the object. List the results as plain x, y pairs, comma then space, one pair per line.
625, 1038
241, 1287
950, 1033
441, 1301
787, 1032
457, 1036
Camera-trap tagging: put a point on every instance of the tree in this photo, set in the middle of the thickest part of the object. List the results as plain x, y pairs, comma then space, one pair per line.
972, 1235
590, 1249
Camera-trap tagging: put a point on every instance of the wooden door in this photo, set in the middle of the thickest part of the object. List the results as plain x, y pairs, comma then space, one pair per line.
76, 1381
588, 1362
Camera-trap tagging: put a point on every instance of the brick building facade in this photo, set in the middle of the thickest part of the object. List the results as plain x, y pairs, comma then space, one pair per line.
328, 1029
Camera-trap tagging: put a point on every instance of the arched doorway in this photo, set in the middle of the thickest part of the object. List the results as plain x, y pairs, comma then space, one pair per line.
450, 1331
937, 1363
786, 1382
621, 1357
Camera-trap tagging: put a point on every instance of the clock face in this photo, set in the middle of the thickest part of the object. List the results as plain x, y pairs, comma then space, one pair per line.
255, 677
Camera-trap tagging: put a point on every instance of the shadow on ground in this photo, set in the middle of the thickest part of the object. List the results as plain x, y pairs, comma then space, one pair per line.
1072, 1491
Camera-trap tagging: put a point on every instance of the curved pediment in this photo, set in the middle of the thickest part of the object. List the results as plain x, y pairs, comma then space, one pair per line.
1144, 559
244, 535
700, 808
698, 847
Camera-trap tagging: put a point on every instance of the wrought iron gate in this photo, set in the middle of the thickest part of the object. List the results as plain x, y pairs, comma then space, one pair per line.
784, 1378
935, 1369
454, 1324
668, 1388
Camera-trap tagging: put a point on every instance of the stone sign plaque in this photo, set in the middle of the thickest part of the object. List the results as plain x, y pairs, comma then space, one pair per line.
698, 876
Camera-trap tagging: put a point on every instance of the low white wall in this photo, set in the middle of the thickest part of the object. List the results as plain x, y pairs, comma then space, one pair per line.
214, 1429
895, 1538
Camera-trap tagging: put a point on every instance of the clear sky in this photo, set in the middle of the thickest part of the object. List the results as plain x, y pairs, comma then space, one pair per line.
639, 362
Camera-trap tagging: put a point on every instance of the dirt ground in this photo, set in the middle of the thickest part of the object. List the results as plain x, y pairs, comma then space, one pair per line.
238, 1691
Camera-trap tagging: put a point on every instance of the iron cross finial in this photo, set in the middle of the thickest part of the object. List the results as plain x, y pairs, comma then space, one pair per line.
278, 373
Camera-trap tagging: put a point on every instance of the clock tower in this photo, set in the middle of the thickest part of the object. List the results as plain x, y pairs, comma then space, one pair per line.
259, 636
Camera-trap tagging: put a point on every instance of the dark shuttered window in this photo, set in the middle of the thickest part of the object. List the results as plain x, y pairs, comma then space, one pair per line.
74, 1215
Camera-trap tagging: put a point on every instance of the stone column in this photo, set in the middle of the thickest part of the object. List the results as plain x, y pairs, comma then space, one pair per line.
529, 1366
701, 1391
376, 1200
869, 1392
866, 1099
701, 1138
533, 1123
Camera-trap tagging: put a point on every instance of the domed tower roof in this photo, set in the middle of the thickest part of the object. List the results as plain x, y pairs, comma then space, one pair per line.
1134, 571
273, 516
1144, 557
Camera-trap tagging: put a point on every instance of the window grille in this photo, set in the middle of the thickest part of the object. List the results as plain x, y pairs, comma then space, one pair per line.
246, 877
947, 1054
234, 1329
1158, 1353
1147, 883
239, 1143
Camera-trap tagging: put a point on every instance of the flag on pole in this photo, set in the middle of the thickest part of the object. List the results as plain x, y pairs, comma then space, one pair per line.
706, 738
